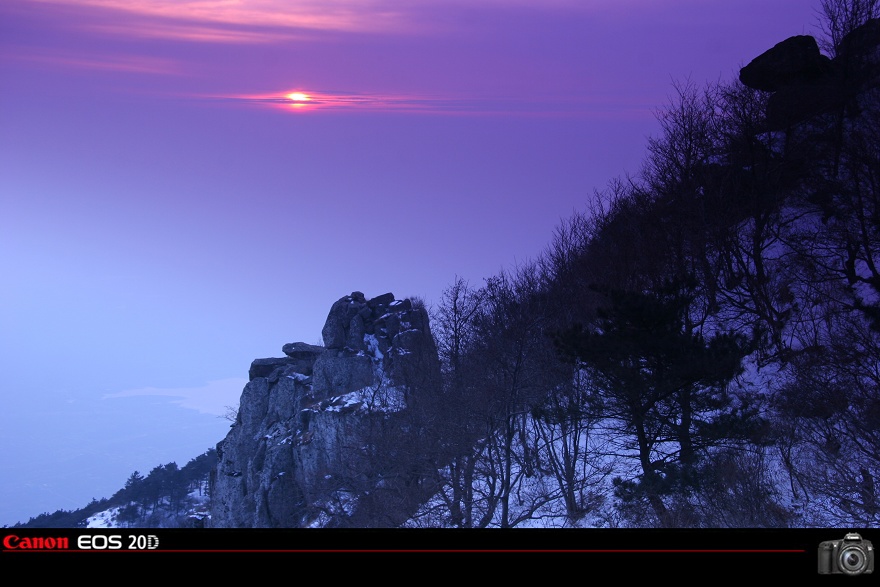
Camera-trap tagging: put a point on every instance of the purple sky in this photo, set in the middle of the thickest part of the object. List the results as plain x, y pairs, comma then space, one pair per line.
168, 214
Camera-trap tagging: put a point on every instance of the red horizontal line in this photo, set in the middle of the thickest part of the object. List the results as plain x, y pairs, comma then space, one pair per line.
440, 551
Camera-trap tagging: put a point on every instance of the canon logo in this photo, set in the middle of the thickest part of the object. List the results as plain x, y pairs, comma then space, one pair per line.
14, 542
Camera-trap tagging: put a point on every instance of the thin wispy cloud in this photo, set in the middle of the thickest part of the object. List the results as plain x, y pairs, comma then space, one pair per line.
193, 32
304, 101
329, 15
259, 21
122, 64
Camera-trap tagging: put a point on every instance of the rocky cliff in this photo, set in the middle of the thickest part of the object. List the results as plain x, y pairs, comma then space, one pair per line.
326, 436
804, 84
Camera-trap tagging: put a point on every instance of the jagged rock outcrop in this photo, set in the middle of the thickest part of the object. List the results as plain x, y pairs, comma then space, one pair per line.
806, 83
796, 60
325, 436
859, 53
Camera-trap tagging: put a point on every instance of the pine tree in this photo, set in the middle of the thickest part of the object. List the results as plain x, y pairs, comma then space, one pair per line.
664, 385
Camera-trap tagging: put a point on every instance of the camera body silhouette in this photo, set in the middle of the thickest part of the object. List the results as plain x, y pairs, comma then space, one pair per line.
850, 556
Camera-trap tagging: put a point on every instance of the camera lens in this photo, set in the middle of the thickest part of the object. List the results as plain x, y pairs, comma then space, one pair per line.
852, 560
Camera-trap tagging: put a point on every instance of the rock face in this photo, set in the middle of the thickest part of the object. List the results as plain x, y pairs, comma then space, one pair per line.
806, 83
322, 435
793, 61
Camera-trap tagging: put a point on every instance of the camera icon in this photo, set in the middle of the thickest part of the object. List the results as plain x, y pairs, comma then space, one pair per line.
850, 556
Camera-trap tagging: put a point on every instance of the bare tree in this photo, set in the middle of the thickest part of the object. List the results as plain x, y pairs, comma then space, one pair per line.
838, 18
572, 450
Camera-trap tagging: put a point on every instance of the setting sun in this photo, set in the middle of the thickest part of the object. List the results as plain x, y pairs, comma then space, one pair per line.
298, 97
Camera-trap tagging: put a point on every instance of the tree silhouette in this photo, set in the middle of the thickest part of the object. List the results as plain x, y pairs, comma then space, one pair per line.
665, 386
